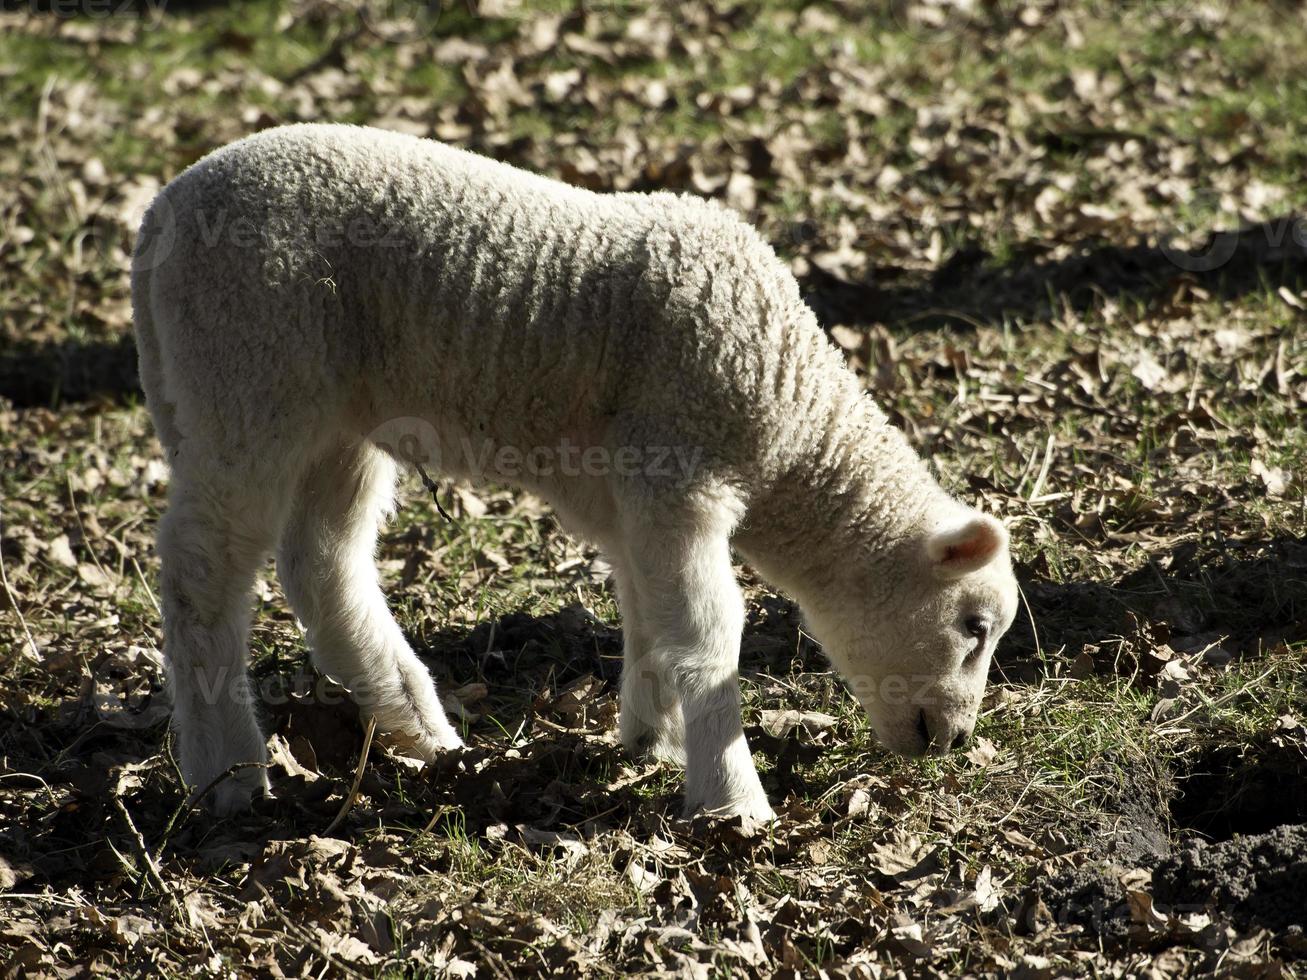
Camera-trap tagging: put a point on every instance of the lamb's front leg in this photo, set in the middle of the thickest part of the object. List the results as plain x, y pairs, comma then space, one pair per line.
650, 720
693, 614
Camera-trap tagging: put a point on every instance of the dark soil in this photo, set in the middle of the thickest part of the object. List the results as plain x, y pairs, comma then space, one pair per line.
1234, 789
1258, 880
1139, 832
1089, 896
1254, 882
1238, 814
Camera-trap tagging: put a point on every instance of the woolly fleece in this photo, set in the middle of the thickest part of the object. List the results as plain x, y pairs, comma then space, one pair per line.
315, 301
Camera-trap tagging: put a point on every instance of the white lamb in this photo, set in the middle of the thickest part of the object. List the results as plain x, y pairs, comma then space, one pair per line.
313, 297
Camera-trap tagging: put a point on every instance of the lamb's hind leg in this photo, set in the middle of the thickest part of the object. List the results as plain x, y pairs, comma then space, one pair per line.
327, 567
693, 612
211, 542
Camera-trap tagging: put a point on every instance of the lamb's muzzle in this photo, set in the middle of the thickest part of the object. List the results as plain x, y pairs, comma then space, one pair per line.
317, 305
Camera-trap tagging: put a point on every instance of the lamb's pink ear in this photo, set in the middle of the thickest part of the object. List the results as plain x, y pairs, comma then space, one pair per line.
958, 550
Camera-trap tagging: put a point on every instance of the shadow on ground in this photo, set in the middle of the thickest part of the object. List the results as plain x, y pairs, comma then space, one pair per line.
553, 679
48, 375
971, 287
1242, 596
98, 11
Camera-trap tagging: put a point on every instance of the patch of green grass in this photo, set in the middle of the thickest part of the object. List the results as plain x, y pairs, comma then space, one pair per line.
571, 888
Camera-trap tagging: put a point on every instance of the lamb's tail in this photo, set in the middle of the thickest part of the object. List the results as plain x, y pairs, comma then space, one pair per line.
150, 358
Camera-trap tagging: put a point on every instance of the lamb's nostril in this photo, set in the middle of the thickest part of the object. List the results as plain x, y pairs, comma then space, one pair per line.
959, 740
923, 729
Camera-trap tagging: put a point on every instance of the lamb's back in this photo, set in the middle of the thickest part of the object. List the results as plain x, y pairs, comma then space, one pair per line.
351, 256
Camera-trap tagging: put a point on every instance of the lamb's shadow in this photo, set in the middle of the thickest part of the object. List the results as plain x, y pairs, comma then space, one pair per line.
1034, 281
76, 746
1242, 597
543, 754
557, 675
35, 375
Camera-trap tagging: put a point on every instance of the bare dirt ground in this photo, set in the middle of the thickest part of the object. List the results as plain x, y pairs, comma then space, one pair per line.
1062, 244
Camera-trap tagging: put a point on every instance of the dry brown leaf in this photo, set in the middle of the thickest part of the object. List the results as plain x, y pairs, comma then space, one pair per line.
779, 723
982, 753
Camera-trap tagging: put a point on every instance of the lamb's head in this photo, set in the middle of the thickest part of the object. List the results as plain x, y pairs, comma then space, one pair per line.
913, 635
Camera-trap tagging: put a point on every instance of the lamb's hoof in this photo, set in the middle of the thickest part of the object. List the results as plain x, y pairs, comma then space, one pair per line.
234, 794
659, 747
753, 812
448, 742
427, 746
662, 744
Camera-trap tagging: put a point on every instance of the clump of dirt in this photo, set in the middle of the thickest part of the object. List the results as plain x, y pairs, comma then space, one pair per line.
1259, 880
1240, 811
1243, 789
1089, 896
1254, 882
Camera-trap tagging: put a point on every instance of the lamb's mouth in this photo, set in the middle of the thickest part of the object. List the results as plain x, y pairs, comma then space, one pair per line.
898, 736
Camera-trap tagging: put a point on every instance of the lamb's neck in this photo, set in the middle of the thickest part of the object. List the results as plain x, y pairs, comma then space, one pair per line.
844, 486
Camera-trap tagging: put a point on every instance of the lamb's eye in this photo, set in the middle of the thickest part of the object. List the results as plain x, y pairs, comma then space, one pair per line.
978, 626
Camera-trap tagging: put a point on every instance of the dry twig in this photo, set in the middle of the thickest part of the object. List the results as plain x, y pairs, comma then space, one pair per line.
358, 777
